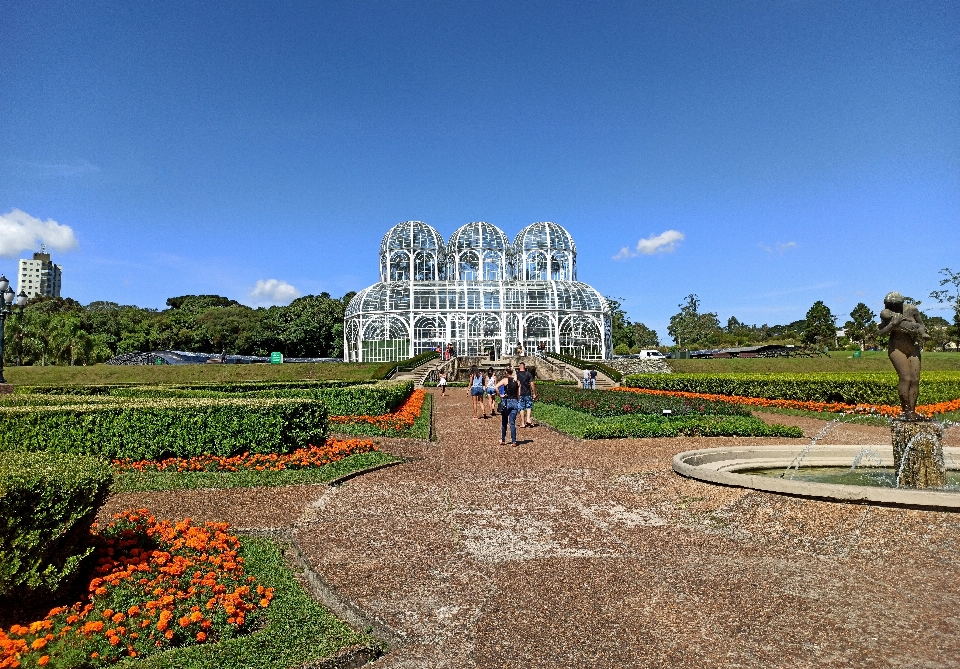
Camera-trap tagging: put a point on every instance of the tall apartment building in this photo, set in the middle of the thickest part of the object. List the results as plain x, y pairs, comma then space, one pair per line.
39, 276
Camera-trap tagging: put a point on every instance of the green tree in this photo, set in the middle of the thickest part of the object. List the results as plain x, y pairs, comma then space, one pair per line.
821, 326
690, 327
861, 326
950, 297
644, 337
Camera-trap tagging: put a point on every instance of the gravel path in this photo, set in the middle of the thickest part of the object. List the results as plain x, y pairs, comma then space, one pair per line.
565, 553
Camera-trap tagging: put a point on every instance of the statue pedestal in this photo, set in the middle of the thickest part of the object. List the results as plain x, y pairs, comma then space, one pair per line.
918, 454
6, 388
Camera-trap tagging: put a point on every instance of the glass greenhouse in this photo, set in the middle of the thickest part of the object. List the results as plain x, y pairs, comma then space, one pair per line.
478, 292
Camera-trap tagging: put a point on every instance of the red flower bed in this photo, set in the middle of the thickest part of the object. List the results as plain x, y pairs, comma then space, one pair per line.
401, 419
302, 458
831, 407
157, 585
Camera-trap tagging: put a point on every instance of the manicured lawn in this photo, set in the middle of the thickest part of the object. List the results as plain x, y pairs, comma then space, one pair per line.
144, 481
152, 375
838, 361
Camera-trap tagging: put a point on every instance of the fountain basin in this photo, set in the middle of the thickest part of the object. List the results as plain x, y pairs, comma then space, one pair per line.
725, 466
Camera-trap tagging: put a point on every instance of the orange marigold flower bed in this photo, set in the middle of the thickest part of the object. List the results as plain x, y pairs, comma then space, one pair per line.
400, 419
302, 458
157, 585
830, 407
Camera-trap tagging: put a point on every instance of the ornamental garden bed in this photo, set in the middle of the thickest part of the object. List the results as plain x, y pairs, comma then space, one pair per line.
179, 595
605, 415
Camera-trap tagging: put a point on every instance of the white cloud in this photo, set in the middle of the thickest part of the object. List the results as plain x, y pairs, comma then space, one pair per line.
273, 291
19, 231
779, 247
665, 242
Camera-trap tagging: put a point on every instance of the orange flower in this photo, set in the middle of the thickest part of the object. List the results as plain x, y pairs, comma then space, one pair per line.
43, 660
201, 636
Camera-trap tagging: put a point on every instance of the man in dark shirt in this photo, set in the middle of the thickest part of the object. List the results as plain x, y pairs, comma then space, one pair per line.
528, 393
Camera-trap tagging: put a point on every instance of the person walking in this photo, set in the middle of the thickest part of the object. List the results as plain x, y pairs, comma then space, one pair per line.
509, 391
476, 391
490, 385
586, 379
593, 379
528, 393
442, 384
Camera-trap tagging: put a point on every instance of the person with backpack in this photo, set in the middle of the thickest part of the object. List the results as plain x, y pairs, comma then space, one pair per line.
509, 391
475, 388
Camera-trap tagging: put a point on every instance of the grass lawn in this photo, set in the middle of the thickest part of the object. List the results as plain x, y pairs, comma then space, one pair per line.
152, 375
144, 481
298, 632
838, 361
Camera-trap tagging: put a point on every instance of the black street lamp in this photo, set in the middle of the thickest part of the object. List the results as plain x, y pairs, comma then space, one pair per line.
6, 309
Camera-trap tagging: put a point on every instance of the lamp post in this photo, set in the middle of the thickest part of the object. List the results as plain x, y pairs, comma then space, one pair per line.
6, 308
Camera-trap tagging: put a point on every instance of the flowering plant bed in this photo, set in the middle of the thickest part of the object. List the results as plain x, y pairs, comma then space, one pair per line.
410, 419
302, 458
828, 407
157, 585
275, 623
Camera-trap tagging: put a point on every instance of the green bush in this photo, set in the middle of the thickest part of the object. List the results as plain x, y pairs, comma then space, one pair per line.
121, 389
615, 403
419, 430
585, 426
160, 428
369, 399
47, 504
849, 388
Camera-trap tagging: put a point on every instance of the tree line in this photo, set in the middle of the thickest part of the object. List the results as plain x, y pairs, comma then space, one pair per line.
691, 328
61, 331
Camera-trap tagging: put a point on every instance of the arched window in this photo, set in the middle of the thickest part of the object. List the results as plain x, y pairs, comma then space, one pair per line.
492, 266
536, 266
538, 328
559, 266
385, 339
425, 267
400, 266
429, 332
580, 337
469, 269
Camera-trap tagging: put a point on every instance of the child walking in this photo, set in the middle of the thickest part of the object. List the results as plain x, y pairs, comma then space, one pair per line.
442, 384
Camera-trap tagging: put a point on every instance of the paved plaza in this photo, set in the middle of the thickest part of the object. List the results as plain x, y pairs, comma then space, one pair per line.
568, 553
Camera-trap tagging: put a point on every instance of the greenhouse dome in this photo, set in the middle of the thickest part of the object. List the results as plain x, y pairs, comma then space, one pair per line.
479, 293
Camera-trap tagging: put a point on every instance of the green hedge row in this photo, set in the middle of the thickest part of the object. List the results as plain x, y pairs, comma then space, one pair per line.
223, 387
853, 388
160, 428
419, 430
586, 426
47, 504
371, 399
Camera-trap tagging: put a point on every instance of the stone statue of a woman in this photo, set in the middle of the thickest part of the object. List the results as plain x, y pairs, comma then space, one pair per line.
904, 324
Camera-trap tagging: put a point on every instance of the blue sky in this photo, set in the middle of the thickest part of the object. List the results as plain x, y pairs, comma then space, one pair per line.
803, 150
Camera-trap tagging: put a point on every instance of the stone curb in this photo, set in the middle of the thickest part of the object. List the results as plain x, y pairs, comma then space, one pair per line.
337, 604
720, 465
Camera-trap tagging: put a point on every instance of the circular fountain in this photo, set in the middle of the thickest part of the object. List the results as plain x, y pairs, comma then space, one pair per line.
915, 470
820, 471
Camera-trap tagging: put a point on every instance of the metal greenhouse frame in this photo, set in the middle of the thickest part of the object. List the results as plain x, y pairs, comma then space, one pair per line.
479, 292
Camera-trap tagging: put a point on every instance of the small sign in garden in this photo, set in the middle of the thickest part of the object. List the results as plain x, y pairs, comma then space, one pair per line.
276, 358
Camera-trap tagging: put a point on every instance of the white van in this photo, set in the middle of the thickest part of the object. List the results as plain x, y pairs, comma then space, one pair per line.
651, 354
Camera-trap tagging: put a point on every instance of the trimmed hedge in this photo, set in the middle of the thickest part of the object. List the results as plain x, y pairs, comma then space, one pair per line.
225, 387
585, 426
161, 428
604, 404
371, 399
419, 430
851, 388
47, 505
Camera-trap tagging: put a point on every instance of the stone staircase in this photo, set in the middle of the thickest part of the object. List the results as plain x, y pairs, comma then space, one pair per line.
421, 373
604, 382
